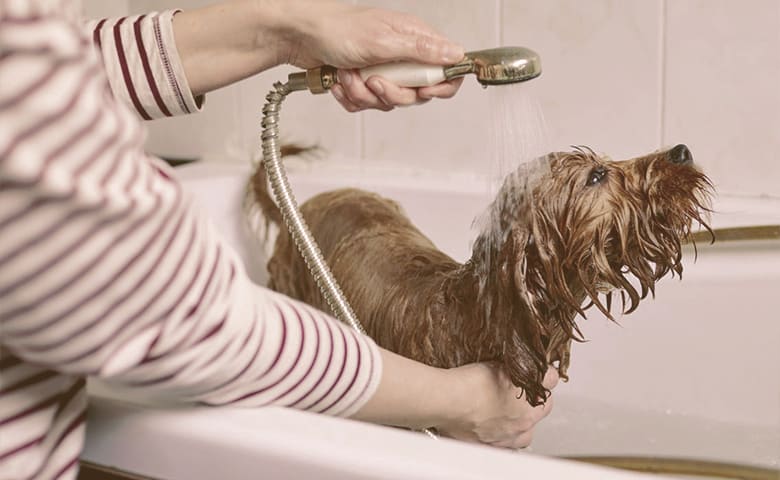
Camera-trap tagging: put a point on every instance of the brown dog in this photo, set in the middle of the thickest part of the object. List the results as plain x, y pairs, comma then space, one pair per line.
573, 226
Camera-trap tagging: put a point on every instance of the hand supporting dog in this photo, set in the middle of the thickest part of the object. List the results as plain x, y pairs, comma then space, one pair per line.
475, 402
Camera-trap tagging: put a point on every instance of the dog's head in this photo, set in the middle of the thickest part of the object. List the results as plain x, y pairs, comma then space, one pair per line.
585, 226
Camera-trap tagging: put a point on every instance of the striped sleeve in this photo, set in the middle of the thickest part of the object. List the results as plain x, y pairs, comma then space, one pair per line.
107, 269
142, 64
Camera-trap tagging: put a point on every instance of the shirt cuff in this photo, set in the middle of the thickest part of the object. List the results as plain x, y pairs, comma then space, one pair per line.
143, 65
179, 87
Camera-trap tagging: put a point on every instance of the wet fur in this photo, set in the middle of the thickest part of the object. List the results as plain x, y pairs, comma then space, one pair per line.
549, 248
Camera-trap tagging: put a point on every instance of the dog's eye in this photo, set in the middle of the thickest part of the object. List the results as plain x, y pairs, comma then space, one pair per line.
596, 176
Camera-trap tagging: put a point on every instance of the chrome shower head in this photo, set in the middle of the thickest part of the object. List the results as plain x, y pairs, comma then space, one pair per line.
498, 66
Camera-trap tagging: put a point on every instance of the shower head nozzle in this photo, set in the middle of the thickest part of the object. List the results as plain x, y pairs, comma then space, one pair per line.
498, 66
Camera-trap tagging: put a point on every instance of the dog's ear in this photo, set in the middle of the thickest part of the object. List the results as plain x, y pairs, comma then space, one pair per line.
526, 329
516, 335
547, 277
514, 268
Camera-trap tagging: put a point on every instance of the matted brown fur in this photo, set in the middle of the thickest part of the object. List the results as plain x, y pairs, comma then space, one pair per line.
586, 226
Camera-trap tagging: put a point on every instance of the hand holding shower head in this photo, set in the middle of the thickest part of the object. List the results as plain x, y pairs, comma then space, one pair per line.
494, 66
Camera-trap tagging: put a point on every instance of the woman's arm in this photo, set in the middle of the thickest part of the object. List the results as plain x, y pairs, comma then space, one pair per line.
227, 42
142, 64
108, 269
160, 64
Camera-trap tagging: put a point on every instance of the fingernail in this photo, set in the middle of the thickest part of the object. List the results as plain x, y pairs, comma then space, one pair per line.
453, 53
345, 77
376, 87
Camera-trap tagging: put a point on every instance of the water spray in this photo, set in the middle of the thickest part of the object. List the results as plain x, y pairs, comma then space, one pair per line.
497, 66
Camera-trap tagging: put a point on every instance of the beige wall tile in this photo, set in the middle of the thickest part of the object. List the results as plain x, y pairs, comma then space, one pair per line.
723, 90
601, 61
214, 133
103, 8
443, 135
305, 119
605, 84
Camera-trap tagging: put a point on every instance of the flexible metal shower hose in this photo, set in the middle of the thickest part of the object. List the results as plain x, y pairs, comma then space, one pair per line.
296, 225
299, 230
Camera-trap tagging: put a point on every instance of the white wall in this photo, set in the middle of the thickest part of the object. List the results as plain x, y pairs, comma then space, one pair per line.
104, 8
622, 76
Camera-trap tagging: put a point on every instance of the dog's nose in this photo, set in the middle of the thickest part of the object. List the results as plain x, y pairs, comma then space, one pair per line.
680, 155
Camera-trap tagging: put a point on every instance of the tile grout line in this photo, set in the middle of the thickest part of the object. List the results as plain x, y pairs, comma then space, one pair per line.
662, 74
361, 130
499, 23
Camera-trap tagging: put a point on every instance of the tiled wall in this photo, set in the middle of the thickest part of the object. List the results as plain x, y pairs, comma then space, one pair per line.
622, 76
102, 8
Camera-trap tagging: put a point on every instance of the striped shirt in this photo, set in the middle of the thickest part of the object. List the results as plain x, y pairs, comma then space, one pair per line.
107, 269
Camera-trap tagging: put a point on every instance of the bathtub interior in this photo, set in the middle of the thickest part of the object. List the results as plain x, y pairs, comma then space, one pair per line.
693, 373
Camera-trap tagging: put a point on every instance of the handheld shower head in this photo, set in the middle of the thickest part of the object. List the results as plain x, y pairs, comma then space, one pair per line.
498, 66
494, 66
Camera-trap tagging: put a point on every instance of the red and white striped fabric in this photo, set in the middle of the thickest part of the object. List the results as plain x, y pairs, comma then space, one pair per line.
107, 269
144, 71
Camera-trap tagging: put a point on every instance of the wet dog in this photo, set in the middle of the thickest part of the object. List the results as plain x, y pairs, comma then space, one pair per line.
563, 234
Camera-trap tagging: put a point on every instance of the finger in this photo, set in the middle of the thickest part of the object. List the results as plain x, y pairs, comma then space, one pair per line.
520, 441
357, 93
338, 94
548, 406
436, 50
441, 90
421, 48
412, 25
523, 440
392, 94
528, 420
538, 413
551, 378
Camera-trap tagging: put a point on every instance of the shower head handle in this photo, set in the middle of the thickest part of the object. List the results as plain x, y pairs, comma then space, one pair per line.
494, 66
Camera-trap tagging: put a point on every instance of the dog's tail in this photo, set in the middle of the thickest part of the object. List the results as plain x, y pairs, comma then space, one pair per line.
259, 206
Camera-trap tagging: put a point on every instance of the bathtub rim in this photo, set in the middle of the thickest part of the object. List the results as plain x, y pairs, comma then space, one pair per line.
729, 210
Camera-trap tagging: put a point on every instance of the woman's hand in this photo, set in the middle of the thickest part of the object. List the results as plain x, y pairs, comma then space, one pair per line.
476, 402
350, 37
496, 415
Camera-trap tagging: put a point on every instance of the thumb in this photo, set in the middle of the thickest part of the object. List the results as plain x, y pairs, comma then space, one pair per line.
423, 48
551, 378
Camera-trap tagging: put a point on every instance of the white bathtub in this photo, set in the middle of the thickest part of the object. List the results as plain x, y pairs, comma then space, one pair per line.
693, 374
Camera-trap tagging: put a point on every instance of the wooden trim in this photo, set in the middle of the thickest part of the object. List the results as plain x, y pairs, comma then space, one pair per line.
682, 466
93, 471
735, 234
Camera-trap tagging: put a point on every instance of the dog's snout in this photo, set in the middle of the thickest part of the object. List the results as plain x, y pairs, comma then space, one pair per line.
680, 155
